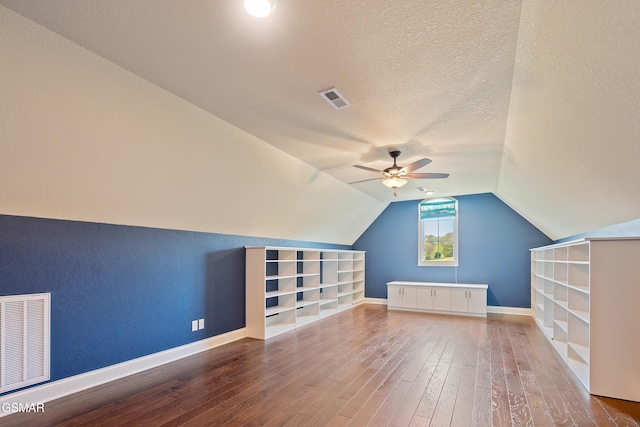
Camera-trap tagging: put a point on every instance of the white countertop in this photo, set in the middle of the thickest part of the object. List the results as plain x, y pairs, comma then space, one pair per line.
440, 285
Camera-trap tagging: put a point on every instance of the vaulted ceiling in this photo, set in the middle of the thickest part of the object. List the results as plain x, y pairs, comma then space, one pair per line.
537, 101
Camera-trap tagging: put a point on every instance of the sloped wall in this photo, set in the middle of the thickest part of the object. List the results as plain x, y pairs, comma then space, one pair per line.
571, 151
494, 243
625, 229
84, 139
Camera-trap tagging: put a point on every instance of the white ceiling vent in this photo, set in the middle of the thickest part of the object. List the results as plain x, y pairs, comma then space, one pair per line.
335, 98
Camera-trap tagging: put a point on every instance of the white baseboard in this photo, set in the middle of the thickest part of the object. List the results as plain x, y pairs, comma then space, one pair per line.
518, 311
66, 386
379, 301
490, 309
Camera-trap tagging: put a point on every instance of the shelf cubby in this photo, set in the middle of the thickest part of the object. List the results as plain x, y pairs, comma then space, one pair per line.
345, 301
548, 269
307, 313
578, 276
539, 282
560, 253
280, 322
284, 268
311, 281
275, 304
304, 296
328, 307
560, 272
579, 336
578, 303
579, 252
560, 295
329, 292
358, 296
275, 287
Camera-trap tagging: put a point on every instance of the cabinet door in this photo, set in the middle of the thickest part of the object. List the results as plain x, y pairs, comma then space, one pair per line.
442, 299
394, 296
424, 298
459, 300
409, 296
477, 301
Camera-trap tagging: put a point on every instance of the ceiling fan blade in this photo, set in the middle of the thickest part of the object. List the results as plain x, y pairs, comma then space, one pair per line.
426, 175
368, 169
416, 165
365, 180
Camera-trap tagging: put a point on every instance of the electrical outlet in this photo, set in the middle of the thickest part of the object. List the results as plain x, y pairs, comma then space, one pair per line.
194, 325
201, 324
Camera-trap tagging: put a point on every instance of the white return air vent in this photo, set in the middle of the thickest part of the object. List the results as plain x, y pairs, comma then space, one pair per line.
335, 98
24, 340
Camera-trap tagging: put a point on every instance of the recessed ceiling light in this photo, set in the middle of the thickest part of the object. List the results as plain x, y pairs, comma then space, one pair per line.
259, 8
425, 191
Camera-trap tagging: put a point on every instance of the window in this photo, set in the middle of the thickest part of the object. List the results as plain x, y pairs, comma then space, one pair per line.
438, 226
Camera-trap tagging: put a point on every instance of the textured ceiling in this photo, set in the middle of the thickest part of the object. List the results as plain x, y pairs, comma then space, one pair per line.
431, 78
571, 160
484, 92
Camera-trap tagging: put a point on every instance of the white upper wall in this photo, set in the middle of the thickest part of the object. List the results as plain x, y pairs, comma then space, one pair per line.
83, 139
571, 159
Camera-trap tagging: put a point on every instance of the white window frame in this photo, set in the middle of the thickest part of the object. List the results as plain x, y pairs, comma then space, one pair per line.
438, 263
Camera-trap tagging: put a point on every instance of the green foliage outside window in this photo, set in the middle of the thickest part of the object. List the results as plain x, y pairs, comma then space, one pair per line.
438, 248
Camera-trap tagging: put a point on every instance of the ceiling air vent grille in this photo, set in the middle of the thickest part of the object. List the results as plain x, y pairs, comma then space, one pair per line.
335, 98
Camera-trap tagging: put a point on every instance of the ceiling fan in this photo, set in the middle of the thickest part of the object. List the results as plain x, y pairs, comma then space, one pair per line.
394, 176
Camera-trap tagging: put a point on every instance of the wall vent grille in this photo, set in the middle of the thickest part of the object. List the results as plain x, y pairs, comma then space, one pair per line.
335, 98
24, 340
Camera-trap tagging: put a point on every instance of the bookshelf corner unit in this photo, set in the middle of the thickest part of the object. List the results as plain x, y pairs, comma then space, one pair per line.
290, 287
584, 298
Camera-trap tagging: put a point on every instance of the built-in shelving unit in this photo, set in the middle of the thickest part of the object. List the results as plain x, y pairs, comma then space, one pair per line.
584, 297
290, 287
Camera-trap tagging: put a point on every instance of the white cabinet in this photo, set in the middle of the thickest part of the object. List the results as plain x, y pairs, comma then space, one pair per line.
433, 298
469, 300
402, 296
584, 297
454, 298
290, 287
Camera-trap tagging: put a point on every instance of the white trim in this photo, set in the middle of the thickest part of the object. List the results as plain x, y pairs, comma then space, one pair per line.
518, 311
379, 301
66, 386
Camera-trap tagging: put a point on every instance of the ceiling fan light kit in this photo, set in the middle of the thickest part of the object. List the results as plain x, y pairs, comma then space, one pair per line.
394, 182
395, 176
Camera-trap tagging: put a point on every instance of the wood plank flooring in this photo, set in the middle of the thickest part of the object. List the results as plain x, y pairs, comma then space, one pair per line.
366, 366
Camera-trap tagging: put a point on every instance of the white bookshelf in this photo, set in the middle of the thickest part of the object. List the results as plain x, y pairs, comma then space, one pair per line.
291, 287
584, 297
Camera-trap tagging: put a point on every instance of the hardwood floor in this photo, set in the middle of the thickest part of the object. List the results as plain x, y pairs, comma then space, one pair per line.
366, 366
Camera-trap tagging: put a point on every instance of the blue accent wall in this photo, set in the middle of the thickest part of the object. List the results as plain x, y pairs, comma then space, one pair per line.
122, 292
494, 243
